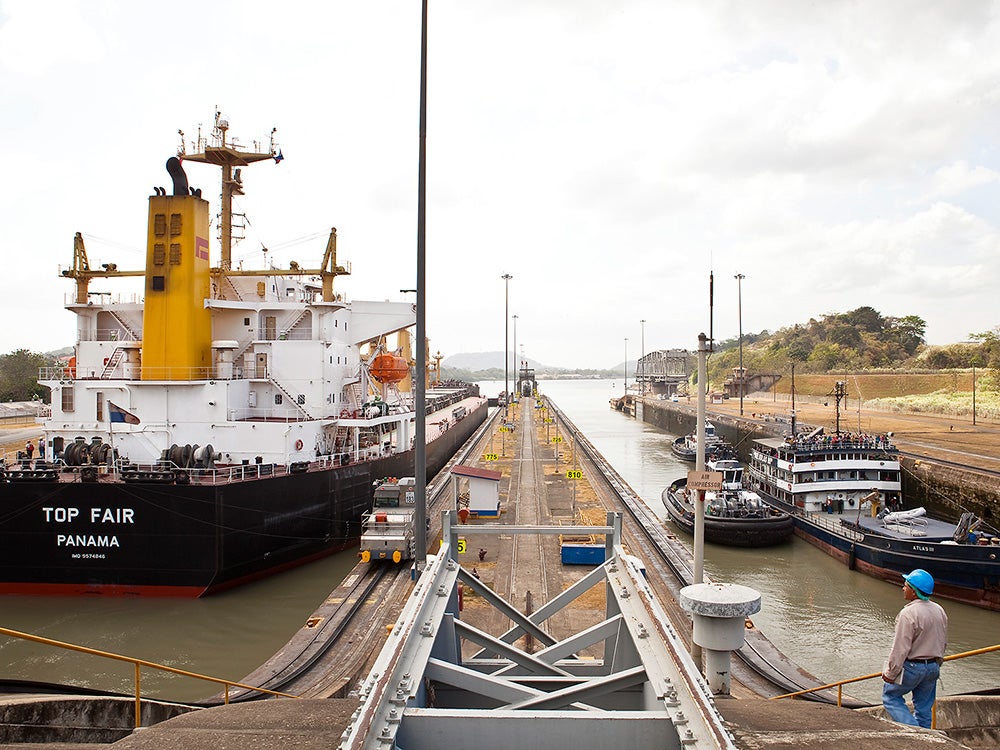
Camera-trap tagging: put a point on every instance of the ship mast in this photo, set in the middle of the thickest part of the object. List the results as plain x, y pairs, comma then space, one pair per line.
216, 150
227, 155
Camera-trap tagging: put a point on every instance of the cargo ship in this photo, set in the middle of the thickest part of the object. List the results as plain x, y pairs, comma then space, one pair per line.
224, 425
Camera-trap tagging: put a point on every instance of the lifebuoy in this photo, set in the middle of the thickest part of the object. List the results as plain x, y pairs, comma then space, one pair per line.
345, 414
298, 445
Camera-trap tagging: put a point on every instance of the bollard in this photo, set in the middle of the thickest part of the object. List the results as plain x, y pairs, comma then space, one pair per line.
719, 611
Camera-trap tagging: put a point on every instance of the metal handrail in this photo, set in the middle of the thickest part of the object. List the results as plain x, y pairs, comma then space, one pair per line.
141, 663
840, 684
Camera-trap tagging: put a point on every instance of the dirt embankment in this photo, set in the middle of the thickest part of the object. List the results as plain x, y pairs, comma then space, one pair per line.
945, 437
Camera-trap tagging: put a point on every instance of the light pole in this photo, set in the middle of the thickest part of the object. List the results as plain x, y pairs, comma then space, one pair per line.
739, 304
506, 343
973, 395
626, 365
642, 361
420, 391
517, 362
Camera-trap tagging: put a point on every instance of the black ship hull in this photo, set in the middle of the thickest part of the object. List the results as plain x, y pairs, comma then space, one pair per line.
962, 572
148, 537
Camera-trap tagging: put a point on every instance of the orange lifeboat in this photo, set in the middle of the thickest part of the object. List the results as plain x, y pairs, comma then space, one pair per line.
388, 368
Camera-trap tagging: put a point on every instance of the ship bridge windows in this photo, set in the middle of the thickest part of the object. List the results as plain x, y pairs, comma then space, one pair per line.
100, 407
278, 399
68, 398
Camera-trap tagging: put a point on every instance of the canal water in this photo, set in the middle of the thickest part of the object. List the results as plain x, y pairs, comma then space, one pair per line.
834, 622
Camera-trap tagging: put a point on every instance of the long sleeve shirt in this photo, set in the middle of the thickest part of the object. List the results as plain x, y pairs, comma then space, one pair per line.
921, 633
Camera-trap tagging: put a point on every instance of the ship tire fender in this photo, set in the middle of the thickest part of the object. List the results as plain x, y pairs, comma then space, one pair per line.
298, 445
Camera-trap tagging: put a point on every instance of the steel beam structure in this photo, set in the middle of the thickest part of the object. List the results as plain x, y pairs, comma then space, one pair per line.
645, 692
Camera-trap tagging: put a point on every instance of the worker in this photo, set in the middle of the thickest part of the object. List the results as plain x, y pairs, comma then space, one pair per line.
914, 662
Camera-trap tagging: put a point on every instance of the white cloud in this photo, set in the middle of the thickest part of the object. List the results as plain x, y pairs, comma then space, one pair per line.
608, 155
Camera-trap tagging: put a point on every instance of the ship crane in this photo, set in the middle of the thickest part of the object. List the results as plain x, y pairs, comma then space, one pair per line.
82, 273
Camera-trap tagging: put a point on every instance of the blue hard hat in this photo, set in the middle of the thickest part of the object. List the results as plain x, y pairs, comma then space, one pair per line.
920, 581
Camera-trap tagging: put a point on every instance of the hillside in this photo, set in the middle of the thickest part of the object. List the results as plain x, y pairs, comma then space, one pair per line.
872, 385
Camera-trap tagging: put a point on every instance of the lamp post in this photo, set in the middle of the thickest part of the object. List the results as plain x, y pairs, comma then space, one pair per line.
973, 395
626, 365
517, 362
506, 343
739, 304
642, 360
420, 391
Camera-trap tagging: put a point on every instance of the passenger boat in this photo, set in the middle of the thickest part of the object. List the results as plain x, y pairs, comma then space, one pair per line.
734, 516
844, 492
686, 446
229, 424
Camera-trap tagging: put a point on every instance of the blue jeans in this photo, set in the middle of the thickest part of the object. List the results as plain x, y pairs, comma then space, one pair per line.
919, 679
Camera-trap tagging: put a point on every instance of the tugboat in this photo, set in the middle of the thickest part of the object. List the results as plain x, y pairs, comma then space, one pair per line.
844, 491
734, 516
686, 446
229, 424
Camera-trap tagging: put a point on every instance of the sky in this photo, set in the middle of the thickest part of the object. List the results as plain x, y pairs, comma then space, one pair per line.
608, 156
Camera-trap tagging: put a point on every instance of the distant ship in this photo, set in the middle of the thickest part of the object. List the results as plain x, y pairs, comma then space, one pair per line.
227, 425
686, 446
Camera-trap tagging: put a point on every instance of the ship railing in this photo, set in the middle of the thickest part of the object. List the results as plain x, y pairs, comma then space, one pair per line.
140, 372
105, 299
138, 664
834, 524
266, 334
267, 413
235, 473
822, 443
108, 334
840, 683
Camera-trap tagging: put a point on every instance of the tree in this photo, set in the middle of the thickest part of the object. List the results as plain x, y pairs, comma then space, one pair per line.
866, 318
846, 335
908, 331
989, 342
19, 376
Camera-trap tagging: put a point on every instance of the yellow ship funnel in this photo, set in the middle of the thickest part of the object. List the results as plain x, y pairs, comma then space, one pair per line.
177, 328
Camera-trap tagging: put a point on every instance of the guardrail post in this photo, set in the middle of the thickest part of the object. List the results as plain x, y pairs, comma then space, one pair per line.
138, 698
